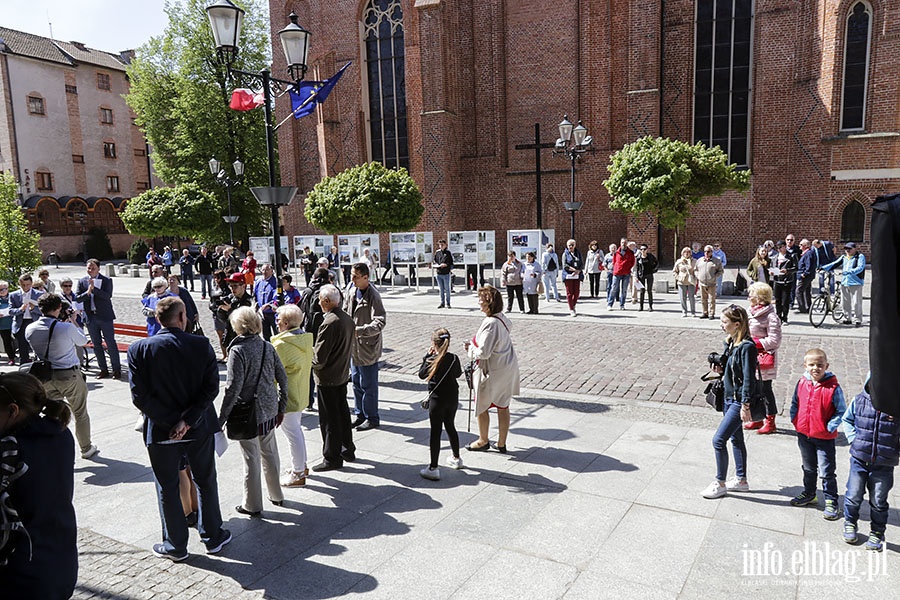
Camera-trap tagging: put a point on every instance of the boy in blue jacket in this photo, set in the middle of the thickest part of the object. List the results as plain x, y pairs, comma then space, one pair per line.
874, 439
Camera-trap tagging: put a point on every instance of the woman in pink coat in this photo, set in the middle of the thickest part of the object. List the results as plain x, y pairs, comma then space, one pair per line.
765, 329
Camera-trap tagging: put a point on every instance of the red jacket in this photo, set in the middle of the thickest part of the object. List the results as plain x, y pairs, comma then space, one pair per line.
623, 262
815, 407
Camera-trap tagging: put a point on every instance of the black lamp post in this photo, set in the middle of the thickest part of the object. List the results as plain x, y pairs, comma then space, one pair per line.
226, 19
222, 178
572, 143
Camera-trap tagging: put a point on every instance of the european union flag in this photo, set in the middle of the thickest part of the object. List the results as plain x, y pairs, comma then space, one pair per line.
307, 94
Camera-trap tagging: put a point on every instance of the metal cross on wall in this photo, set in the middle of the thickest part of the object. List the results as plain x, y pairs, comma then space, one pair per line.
537, 146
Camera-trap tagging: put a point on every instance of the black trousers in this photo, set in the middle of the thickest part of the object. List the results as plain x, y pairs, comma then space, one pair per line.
22, 343
334, 423
517, 291
782, 299
648, 288
8, 345
595, 284
532, 303
442, 415
804, 292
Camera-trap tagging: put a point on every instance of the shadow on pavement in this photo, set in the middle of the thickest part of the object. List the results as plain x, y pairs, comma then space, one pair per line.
576, 405
105, 472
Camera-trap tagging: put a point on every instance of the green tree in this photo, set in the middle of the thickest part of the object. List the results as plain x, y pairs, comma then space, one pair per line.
19, 249
183, 210
667, 177
180, 95
365, 199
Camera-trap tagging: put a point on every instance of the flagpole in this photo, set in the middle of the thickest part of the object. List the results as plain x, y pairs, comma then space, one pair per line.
294, 112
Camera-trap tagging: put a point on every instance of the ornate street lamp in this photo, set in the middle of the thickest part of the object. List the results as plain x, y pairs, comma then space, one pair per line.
222, 178
573, 142
226, 19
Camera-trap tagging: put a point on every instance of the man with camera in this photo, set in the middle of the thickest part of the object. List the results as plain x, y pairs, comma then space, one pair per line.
239, 297
56, 337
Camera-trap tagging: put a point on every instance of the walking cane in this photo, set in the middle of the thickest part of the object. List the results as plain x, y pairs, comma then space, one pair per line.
469, 369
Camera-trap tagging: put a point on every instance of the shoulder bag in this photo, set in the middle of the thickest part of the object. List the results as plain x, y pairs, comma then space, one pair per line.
241, 423
41, 368
427, 401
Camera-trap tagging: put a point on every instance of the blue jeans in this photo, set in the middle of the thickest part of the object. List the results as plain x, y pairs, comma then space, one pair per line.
879, 481
830, 276
818, 458
365, 391
205, 285
165, 460
619, 290
730, 428
97, 327
444, 288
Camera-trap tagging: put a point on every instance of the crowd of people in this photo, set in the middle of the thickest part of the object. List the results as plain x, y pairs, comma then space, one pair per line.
288, 350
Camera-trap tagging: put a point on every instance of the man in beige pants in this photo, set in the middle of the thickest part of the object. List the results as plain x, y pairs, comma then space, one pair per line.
708, 270
60, 349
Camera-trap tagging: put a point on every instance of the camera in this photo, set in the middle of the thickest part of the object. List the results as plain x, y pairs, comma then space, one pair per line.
66, 313
717, 360
219, 301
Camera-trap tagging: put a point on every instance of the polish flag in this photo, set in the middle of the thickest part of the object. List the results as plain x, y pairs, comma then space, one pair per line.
244, 99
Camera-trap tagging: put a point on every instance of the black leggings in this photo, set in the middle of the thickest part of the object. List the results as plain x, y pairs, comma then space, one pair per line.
595, 284
771, 404
514, 290
442, 414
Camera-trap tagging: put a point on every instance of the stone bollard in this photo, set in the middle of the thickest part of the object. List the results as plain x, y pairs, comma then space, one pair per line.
110, 270
661, 286
135, 271
123, 269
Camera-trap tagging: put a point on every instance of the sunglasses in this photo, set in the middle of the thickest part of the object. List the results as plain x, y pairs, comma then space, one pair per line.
66, 284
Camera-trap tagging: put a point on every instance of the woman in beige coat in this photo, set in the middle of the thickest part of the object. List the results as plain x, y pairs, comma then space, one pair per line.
496, 378
686, 281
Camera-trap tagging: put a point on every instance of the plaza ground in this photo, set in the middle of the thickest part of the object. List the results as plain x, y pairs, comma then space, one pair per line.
599, 496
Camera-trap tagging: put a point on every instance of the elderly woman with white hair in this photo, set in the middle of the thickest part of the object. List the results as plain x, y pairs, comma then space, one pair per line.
253, 370
295, 349
160, 289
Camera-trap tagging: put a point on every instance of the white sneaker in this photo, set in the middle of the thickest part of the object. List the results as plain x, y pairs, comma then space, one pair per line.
432, 474
90, 452
454, 463
736, 485
609, 307
715, 490
293, 479
572, 313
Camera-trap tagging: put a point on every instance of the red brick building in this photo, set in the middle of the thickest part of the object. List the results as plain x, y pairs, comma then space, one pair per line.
806, 94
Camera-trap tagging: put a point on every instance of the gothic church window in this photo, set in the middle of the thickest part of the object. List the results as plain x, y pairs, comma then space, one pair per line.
722, 67
853, 222
856, 67
385, 73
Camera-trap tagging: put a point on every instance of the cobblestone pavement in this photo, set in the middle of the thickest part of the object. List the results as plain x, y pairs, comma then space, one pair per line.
660, 361
112, 570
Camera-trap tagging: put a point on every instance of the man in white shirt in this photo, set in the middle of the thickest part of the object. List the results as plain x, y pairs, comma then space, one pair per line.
67, 381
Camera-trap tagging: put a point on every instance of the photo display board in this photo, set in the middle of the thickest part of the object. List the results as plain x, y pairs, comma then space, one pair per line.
320, 244
530, 240
264, 249
412, 248
351, 247
471, 247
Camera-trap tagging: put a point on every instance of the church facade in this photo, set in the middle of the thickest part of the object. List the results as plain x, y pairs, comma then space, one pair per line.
805, 94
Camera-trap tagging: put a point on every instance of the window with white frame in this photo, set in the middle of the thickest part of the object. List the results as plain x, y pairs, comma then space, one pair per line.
857, 47
106, 116
385, 74
109, 150
36, 105
112, 183
722, 69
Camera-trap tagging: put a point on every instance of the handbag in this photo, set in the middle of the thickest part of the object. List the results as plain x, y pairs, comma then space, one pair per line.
766, 360
197, 329
715, 390
41, 368
241, 423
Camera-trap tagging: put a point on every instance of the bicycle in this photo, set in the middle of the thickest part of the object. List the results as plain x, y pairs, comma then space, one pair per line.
826, 303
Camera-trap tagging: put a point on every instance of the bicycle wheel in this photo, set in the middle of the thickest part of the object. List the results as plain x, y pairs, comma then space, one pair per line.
818, 310
837, 307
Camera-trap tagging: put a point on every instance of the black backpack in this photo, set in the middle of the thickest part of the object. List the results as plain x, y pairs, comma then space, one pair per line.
312, 312
551, 266
862, 275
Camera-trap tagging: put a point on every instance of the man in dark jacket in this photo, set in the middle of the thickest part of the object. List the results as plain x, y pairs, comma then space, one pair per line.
95, 293
239, 297
205, 265
646, 267
824, 255
806, 270
174, 380
443, 265
331, 369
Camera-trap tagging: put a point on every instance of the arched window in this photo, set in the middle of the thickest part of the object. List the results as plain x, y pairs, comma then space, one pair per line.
853, 222
49, 218
856, 67
722, 61
385, 71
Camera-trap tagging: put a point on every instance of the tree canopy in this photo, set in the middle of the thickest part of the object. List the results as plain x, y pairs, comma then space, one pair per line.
667, 177
19, 249
365, 199
180, 95
183, 210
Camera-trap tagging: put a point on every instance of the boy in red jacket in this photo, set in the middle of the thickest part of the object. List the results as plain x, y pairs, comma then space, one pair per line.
816, 411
